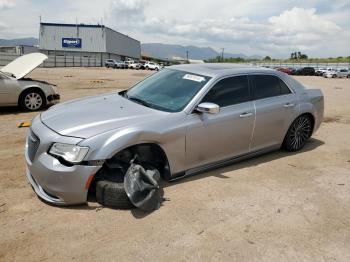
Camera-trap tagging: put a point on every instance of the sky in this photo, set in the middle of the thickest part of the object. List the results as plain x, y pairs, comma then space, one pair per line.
319, 28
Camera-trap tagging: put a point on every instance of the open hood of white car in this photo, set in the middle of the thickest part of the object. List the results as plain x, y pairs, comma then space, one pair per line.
23, 65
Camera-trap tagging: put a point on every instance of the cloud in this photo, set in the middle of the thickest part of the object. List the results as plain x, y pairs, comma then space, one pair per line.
264, 27
6, 4
129, 11
292, 30
3, 26
299, 20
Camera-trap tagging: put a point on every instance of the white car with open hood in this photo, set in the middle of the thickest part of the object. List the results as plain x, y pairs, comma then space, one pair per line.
29, 94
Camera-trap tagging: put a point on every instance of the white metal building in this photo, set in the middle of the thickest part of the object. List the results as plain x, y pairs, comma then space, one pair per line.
95, 42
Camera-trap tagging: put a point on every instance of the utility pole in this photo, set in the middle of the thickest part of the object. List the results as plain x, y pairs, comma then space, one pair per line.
222, 54
187, 55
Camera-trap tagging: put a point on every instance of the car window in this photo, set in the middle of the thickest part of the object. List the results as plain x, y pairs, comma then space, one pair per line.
268, 86
229, 91
168, 90
284, 88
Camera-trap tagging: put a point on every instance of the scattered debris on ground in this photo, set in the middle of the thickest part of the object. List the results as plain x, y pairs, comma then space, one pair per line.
24, 124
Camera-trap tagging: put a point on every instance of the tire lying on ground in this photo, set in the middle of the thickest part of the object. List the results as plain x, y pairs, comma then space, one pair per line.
138, 188
112, 194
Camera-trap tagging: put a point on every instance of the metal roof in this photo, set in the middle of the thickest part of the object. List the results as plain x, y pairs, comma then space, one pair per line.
85, 25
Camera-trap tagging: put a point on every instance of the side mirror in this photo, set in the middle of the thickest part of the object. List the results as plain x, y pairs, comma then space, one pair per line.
209, 108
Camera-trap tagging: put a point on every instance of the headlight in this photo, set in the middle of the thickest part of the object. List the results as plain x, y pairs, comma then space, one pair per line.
70, 153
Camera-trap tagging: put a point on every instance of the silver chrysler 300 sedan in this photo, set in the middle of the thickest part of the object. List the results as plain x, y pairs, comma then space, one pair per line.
182, 120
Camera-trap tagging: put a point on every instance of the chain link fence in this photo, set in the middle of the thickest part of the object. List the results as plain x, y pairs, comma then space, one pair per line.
299, 65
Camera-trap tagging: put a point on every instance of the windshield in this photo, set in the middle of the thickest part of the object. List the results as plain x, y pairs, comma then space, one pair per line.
168, 90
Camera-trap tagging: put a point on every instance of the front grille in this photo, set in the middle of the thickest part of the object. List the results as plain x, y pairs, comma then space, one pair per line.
33, 145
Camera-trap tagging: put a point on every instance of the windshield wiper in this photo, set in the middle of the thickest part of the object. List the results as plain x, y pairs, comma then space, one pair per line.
138, 100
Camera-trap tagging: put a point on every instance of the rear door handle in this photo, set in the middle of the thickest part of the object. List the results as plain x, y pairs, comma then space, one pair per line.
289, 105
246, 114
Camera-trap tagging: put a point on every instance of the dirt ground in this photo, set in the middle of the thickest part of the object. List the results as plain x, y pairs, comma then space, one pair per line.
277, 207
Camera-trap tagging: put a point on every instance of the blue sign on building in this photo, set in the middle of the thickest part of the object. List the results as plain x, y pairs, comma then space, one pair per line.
71, 42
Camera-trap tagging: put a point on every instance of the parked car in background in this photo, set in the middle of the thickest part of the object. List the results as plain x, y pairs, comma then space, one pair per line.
337, 73
142, 64
328, 69
151, 66
293, 70
343, 72
180, 121
127, 63
29, 94
306, 71
119, 64
110, 63
134, 65
286, 70
320, 71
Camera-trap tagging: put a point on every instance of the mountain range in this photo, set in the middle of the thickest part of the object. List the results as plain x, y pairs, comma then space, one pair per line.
178, 51
157, 50
20, 41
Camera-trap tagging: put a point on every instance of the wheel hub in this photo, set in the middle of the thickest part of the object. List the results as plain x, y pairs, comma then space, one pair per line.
33, 101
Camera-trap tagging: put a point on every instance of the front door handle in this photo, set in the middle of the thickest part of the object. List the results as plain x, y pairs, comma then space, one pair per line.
289, 105
246, 114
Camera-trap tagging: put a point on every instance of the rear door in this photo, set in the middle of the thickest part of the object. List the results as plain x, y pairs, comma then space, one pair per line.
276, 107
214, 137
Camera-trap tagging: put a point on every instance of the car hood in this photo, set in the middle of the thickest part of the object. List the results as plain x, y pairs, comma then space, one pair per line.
23, 65
91, 116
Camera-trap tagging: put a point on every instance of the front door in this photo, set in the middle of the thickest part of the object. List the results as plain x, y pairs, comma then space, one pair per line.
214, 137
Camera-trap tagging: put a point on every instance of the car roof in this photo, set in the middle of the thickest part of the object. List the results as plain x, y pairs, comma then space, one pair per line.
221, 69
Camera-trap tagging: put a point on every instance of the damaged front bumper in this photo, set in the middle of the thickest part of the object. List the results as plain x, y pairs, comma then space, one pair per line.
53, 99
52, 181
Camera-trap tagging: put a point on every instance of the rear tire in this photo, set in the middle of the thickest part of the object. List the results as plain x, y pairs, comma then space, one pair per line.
298, 133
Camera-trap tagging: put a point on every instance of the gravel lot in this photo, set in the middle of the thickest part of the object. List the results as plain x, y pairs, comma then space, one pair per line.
277, 207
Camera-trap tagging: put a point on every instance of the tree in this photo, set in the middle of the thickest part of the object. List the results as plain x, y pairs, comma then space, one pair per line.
298, 55
267, 58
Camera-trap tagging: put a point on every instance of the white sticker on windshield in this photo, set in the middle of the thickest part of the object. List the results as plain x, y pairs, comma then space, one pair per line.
194, 78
